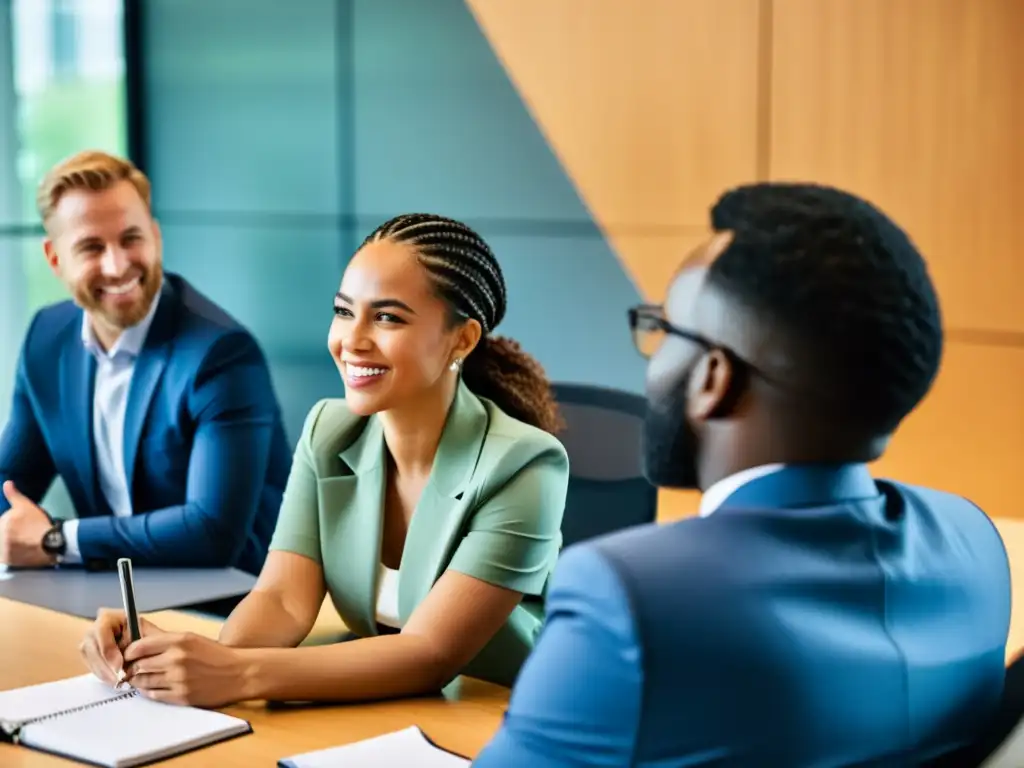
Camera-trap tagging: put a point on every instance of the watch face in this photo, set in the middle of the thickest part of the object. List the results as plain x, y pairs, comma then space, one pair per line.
53, 541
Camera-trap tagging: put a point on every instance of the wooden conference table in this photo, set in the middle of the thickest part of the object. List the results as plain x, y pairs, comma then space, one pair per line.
38, 645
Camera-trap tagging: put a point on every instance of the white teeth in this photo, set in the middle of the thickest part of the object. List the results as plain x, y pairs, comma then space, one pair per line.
355, 370
117, 290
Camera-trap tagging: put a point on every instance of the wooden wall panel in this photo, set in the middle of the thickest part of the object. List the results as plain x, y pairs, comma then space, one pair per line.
651, 106
654, 107
968, 435
675, 505
1012, 533
918, 105
654, 259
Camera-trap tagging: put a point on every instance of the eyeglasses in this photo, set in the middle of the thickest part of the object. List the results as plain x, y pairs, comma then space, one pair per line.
650, 328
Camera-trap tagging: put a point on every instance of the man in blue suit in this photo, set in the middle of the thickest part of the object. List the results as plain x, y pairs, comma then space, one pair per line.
152, 404
810, 616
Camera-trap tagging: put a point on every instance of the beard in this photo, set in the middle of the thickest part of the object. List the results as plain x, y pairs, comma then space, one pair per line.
670, 444
126, 315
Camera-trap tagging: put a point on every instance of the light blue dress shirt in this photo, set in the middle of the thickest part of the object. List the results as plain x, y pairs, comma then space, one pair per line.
114, 368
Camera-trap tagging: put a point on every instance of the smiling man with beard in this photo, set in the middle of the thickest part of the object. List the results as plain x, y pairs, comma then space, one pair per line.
152, 404
810, 616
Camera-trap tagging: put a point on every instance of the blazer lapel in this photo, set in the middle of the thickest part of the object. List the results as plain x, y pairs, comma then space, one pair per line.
440, 515
351, 517
78, 381
149, 367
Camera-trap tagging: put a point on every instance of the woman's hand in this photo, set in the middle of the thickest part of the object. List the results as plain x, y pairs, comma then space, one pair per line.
186, 669
103, 646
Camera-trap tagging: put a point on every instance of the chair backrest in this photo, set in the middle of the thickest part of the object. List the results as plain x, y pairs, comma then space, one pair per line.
1001, 744
607, 488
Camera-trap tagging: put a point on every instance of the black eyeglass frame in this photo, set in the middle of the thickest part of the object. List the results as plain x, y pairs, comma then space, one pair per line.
653, 314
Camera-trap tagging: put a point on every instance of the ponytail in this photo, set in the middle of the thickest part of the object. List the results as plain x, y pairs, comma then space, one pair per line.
501, 371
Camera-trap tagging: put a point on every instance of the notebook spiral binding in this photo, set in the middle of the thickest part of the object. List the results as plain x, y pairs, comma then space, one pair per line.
15, 734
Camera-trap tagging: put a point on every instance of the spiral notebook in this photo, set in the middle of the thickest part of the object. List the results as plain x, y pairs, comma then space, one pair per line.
82, 718
408, 747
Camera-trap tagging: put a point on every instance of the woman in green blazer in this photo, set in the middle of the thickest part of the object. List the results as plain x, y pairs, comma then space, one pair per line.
428, 503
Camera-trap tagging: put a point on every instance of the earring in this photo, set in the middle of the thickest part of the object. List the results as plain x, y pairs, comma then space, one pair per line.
456, 364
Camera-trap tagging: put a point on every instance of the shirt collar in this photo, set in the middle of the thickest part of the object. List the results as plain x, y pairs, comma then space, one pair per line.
716, 495
131, 339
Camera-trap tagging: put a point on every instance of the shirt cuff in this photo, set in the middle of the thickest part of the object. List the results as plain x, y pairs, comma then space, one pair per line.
71, 555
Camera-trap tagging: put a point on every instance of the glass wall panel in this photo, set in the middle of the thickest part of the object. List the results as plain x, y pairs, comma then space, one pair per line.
62, 89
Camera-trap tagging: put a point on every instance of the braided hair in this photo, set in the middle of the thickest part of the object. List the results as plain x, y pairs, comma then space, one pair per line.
842, 279
467, 277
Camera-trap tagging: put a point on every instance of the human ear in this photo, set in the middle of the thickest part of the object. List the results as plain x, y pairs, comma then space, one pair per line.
52, 258
466, 338
713, 378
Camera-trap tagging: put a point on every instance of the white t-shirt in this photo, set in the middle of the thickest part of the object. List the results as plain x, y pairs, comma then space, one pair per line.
387, 598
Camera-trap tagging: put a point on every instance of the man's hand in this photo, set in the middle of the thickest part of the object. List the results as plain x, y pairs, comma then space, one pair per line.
22, 528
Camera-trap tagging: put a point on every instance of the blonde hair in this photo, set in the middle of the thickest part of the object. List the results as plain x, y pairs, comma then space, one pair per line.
92, 170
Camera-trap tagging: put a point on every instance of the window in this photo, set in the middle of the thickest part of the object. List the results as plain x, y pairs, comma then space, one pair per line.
65, 40
68, 89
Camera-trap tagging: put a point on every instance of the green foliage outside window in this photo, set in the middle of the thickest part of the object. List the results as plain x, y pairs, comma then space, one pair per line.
55, 122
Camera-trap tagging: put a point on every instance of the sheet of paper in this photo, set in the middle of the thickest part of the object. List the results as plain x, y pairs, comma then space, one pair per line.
22, 704
406, 747
131, 731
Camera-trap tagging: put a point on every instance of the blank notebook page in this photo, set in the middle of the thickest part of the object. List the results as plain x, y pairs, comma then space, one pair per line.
408, 747
34, 701
131, 731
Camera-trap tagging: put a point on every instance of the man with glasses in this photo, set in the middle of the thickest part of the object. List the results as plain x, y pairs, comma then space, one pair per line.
810, 615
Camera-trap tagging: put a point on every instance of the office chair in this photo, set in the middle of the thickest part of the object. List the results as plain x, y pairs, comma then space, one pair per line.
607, 489
1001, 744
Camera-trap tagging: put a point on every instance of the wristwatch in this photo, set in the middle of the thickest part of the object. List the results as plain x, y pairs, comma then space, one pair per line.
54, 542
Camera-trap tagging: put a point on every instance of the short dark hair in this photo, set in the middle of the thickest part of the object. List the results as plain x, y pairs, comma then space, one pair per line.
840, 276
466, 275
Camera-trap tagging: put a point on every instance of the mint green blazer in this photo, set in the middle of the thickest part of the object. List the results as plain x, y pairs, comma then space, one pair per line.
492, 509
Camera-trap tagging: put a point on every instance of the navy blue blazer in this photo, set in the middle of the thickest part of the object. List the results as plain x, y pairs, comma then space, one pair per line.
817, 619
205, 446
